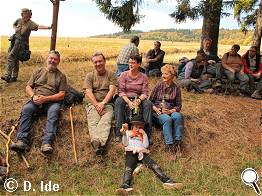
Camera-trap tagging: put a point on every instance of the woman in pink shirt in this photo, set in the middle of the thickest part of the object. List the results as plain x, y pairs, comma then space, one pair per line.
133, 94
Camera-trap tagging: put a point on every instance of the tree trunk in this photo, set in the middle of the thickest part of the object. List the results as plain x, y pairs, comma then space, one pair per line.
211, 22
258, 30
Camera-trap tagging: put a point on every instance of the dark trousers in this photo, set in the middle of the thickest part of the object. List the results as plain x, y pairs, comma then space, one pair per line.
131, 163
214, 69
12, 67
30, 111
121, 115
252, 80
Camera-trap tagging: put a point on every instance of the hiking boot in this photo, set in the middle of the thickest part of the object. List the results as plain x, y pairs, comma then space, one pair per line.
170, 184
13, 80
98, 149
19, 146
101, 150
256, 95
125, 189
5, 78
46, 149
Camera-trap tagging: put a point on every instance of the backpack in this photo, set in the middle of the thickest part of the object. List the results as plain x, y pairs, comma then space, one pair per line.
182, 64
73, 97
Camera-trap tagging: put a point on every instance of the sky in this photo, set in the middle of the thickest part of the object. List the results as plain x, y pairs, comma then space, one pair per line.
82, 18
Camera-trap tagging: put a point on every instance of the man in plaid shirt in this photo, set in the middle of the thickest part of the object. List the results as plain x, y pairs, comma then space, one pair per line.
125, 53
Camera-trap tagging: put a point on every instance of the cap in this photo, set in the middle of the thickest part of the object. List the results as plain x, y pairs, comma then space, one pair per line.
138, 119
25, 10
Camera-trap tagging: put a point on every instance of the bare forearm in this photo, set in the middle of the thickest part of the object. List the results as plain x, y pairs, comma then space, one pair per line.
44, 27
90, 97
56, 97
29, 90
110, 94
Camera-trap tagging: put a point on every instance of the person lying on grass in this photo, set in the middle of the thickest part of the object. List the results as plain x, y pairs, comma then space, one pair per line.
136, 143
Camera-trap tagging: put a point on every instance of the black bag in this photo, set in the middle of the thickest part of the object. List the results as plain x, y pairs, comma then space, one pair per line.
24, 52
73, 97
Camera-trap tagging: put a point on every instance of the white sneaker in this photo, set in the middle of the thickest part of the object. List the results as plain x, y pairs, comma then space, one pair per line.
172, 185
124, 191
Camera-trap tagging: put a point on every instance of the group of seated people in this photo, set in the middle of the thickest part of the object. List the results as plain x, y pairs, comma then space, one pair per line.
133, 109
197, 72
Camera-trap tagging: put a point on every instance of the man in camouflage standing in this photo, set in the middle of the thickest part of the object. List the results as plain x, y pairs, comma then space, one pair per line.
19, 41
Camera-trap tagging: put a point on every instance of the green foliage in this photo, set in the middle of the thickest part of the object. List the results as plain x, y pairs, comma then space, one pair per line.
245, 11
186, 35
126, 15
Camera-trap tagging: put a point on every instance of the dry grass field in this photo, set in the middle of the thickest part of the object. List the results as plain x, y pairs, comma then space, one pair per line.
222, 134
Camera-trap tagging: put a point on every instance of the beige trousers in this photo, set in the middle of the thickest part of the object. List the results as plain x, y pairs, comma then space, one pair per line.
99, 126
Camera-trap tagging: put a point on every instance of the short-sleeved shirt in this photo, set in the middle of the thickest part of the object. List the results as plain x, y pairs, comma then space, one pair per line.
151, 54
24, 28
99, 84
126, 52
234, 62
47, 83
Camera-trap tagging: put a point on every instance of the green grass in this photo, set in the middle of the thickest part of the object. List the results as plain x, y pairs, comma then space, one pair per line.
222, 135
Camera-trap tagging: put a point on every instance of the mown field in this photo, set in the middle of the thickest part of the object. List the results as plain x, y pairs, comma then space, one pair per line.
222, 134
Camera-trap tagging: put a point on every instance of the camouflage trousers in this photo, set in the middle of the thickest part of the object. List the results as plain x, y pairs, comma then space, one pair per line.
12, 67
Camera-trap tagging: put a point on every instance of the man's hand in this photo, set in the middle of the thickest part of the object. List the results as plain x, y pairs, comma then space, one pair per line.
100, 108
39, 99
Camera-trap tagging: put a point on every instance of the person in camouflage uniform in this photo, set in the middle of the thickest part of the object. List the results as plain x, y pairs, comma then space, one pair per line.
19, 41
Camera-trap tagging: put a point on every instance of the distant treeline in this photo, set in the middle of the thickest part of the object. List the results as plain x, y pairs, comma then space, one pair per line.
186, 35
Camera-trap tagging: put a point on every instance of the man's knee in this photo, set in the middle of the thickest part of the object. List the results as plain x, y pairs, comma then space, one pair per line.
28, 108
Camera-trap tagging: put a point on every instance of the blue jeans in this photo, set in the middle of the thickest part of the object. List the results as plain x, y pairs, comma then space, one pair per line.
29, 111
172, 126
121, 68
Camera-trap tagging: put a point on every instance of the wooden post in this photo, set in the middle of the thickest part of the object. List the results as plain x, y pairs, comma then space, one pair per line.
54, 23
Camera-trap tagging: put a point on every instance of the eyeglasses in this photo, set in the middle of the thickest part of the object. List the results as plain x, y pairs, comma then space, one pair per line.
252, 51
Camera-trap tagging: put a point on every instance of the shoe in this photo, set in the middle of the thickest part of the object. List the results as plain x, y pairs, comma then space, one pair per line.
19, 146
101, 150
150, 141
13, 80
170, 184
118, 139
138, 169
124, 190
96, 146
256, 95
46, 149
7, 79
